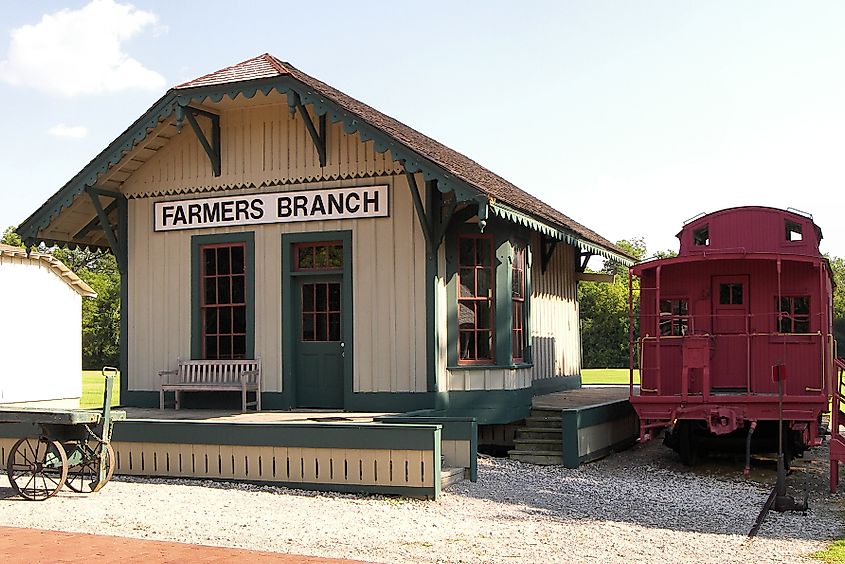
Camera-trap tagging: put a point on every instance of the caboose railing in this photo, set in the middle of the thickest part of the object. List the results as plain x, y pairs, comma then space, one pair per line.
837, 418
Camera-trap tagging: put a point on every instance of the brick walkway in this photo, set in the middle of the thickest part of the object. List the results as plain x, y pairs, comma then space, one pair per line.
28, 546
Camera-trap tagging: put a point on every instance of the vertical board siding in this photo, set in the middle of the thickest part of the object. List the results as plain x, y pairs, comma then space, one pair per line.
403, 468
261, 145
555, 326
388, 294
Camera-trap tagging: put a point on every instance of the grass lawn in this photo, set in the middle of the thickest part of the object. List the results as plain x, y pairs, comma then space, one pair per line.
834, 553
607, 376
93, 384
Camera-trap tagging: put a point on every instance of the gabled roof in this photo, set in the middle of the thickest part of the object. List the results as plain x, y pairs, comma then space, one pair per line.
58, 267
418, 152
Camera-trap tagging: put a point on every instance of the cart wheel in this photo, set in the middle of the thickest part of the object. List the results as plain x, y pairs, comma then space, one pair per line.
37, 468
83, 477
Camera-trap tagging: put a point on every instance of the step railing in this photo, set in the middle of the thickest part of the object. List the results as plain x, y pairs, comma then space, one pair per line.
837, 418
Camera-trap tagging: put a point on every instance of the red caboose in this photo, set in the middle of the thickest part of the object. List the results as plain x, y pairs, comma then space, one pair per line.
748, 291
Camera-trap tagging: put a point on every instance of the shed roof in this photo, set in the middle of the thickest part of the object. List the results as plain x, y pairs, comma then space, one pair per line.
58, 267
419, 152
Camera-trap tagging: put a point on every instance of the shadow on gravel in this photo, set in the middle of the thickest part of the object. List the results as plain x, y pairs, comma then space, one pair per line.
647, 486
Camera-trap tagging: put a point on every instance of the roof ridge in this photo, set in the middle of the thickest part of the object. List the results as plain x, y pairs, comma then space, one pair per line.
267, 58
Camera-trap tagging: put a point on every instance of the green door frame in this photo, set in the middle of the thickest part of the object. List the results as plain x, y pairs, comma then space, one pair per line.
288, 337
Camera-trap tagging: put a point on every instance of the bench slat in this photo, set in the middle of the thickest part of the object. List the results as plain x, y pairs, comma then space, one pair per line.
214, 375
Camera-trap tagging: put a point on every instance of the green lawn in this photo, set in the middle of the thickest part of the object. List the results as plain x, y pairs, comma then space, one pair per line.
834, 553
93, 384
607, 376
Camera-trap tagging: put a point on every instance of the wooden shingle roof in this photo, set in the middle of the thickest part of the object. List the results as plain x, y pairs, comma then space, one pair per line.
55, 265
484, 180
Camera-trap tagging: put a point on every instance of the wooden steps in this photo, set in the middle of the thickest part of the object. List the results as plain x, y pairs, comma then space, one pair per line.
449, 476
540, 440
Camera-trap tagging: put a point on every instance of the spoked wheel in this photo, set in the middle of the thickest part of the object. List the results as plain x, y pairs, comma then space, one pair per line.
84, 477
37, 468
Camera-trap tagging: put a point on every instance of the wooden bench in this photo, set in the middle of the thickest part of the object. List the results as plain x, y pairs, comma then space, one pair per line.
213, 376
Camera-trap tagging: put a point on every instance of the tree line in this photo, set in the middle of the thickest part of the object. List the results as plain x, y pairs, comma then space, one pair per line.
605, 316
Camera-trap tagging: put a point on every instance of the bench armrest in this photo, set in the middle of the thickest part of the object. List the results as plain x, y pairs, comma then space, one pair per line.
247, 374
164, 375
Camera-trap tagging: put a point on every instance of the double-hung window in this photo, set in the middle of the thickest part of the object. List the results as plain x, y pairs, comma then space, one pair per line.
223, 301
518, 304
476, 281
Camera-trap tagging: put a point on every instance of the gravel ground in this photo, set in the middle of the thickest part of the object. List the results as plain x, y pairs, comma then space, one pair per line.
635, 506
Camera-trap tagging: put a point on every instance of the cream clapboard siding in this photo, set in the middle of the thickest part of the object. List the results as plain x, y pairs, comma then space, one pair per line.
555, 324
261, 145
388, 284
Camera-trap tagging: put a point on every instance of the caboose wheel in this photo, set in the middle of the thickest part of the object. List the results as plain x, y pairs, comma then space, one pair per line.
37, 468
687, 445
84, 477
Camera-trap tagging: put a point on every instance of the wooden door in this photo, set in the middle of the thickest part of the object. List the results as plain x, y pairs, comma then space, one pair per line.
730, 299
320, 342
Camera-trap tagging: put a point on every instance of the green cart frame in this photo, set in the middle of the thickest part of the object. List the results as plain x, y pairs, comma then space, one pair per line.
68, 447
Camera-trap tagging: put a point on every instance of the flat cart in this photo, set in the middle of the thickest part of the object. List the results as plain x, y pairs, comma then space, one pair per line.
67, 447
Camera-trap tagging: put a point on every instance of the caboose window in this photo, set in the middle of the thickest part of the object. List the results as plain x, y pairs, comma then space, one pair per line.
674, 317
701, 236
793, 231
794, 314
475, 299
730, 294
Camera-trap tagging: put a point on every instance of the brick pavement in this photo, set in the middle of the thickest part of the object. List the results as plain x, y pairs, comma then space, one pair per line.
31, 546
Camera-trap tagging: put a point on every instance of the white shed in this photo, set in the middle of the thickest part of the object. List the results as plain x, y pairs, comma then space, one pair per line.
40, 330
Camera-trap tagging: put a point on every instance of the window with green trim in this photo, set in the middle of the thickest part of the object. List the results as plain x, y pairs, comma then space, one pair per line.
476, 282
518, 303
223, 301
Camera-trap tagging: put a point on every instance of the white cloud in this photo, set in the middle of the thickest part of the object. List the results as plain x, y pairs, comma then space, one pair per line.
73, 52
71, 131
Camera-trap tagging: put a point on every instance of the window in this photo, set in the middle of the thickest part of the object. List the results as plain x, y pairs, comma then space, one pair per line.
475, 299
730, 294
321, 311
674, 317
701, 236
518, 303
223, 307
318, 256
794, 314
793, 231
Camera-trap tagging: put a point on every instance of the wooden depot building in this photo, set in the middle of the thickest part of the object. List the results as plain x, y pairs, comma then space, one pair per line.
259, 213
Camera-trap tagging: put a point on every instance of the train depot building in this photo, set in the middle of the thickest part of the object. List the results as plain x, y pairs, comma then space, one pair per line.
257, 213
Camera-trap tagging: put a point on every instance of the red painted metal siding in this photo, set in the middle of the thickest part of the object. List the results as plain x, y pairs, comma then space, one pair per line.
751, 230
730, 336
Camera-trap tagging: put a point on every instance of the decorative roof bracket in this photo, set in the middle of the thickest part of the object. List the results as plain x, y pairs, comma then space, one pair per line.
418, 205
483, 212
106, 225
582, 258
547, 249
318, 137
212, 149
93, 223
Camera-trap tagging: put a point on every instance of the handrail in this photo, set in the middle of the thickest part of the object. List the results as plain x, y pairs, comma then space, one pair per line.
838, 397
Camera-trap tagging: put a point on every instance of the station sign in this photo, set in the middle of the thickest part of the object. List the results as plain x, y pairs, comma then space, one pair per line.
279, 207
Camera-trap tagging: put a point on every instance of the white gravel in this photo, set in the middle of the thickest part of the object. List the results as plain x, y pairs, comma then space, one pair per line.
631, 507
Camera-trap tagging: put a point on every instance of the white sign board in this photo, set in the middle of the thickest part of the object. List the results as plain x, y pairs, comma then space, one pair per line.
279, 207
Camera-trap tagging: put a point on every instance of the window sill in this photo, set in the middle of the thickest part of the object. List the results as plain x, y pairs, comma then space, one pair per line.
489, 366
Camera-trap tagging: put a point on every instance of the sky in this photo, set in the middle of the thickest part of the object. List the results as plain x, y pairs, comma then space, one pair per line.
628, 116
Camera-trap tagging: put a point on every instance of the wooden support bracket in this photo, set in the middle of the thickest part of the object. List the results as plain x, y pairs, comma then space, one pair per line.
318, 137
212, 148
105, 224
547, 249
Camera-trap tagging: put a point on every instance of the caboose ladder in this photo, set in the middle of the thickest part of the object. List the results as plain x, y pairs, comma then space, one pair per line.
837, 420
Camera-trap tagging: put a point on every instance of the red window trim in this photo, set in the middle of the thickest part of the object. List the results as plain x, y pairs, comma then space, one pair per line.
204, 277
491, 303
297, 247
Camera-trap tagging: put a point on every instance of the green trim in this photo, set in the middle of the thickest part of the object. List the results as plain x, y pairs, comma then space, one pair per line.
546, 228
166, 106
504, 311
610, 411
247, 237
123, 241
288, 398
379, 436
432, 333
556, 384
569, 437
528, 354
431, 494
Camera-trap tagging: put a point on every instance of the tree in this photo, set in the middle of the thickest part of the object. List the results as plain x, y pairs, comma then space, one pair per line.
605, 315
837, 266
11, 238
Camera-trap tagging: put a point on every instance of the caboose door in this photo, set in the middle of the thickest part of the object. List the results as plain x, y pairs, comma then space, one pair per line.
729, 373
